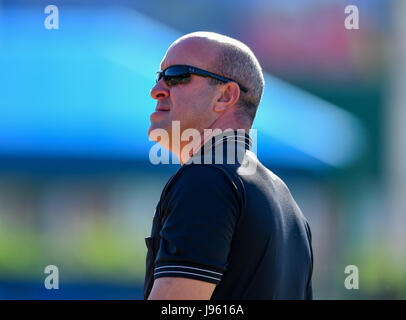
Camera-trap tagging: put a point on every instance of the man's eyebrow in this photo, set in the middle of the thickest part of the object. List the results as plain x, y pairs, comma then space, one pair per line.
162, 66
165, 64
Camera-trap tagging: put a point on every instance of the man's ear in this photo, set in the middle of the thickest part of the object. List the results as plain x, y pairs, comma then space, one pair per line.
228, 96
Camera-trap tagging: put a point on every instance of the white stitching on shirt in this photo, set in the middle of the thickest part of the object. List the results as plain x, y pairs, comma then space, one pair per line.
196, 274
188, 268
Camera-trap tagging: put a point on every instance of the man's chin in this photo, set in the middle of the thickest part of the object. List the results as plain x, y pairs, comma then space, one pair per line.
155, 131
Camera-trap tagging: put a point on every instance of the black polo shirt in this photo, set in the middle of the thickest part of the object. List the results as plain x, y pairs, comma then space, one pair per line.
224, 218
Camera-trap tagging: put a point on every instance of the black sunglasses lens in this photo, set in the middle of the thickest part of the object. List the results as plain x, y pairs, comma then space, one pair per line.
175, 80
176, 75
176, 71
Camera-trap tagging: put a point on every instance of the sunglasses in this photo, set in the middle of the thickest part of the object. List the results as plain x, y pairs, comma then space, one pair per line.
180, 74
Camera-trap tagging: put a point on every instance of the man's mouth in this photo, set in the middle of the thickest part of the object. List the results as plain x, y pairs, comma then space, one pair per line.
162, 109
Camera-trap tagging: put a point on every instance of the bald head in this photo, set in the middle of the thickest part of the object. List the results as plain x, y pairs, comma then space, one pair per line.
195, 51
230, 58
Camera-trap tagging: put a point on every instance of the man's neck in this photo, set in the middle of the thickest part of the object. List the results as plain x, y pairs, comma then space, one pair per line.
196, 144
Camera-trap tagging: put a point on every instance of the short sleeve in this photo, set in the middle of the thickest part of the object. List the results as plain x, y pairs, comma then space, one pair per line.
200, 211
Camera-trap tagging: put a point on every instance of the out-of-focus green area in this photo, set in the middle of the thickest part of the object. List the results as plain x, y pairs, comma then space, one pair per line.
95, 252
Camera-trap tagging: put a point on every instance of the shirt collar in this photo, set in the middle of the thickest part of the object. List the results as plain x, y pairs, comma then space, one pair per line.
221, 146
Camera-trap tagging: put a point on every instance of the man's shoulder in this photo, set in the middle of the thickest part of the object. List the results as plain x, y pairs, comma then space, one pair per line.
202, 178
203, 174
204, 186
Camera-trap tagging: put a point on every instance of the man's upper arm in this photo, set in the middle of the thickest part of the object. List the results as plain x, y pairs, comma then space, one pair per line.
200, 213
169, 288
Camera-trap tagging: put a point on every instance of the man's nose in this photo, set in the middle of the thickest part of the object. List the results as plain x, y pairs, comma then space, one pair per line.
159, 91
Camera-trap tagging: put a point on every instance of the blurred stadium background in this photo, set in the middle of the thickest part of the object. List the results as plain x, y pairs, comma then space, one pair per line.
77, 189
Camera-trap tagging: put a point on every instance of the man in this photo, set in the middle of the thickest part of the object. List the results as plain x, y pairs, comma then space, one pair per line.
226, 229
